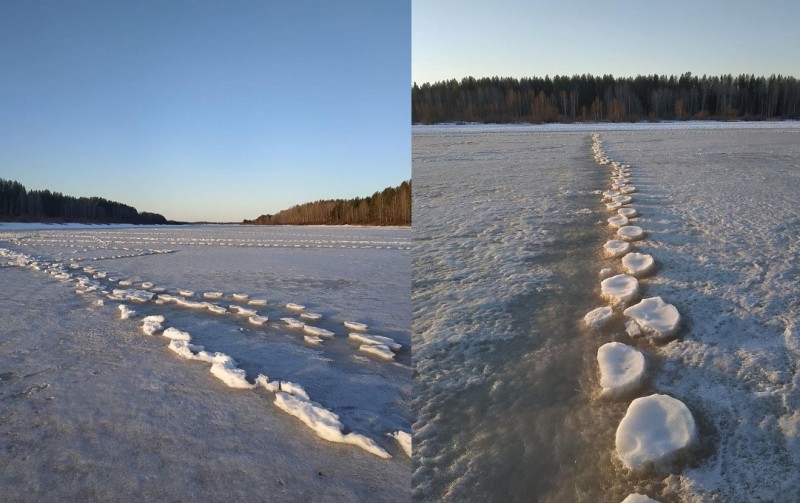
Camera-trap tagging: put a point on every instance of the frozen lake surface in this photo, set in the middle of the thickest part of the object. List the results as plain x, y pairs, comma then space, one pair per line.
509, 227
93, 408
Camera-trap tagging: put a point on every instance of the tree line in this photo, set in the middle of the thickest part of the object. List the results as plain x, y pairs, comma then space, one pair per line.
589, 98
392, 206
19, 204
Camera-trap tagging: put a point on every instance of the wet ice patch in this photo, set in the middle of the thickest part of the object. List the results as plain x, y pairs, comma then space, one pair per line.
638, 264
621, 288
621, 368
654, 430
655, 316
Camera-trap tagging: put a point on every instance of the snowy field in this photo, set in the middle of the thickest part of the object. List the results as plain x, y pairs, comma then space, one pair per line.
205, 363
509, 233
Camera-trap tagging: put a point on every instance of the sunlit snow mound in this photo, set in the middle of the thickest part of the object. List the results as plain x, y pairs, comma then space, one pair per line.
596, 318
655, 428
258, 320
655, 316
152, 324
233, 377
325, 423
621, 288
628, 212
630, 232
638, 498
375, 339
638, 264
621, 368
176, 335
617, 221
404, 440
379, 350
616, 247
354, 325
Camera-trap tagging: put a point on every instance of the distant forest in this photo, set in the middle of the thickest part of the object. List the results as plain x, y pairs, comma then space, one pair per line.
589, 98
392, 206
19, 204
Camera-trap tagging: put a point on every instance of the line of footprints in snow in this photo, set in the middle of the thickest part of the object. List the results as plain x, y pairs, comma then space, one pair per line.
655, 428
289, 397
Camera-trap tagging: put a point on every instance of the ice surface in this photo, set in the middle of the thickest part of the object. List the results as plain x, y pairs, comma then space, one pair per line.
655, 316
638, 498
404, 440
622, 368
125, 312
233, 377
375, 339
379, 350
596, 318
630, 232
655, 428
638, 264
616, 247
325, 423
354, 325
621, 288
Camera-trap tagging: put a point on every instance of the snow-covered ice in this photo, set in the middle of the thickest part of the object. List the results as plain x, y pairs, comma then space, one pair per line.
638, 264
628, 212
176, 335
375, 339
355, 325
620, 288
293, 322
656, 316
213, 295
404, 440
654, 430
318, 332
311, 316
125, 312
621, 368
596, 318
152, 324
295, 307
630, 232
617, 221
616, 247
232, 377
638, 498
258, 320
379, 350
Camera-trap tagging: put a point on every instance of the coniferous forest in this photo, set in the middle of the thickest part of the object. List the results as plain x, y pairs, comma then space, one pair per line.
589, 98
392, 206
19, 204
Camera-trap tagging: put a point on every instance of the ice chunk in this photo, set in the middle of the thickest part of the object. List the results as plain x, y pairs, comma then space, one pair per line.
271, 386
293, 323
318, 332
147, 285
186, 293
622, 199
655, 316
375, 340
240, 296
125, 282
233, 377
125, 312
617, 221
184, 349
638, 264
655, 428
627, 189
213, 295
152, 324
607, 195
176, 335
312, 339
628, 212
404, 440
325, 423
258, 320
638, 498
621, 368
620, 288
596, 318
379, 350
242, 310
220, 358
632, 328
98, 302
630, 233
295, 307
616, 247
311, 316
215, 308
257, 302
613, 206
606, 272
354, 325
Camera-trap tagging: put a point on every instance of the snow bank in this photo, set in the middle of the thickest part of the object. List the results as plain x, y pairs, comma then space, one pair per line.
404, 439
655, 316
638, 264
655, 428
379, 350
176, 335
325, 423
621, 368
616, 247
152, 324
233, 377
375, 339
125, 312
621, 288
354, 325
596, 318
630, 232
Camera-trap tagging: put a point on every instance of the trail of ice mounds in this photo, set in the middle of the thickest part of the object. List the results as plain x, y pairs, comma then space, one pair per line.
622, 368
325, 423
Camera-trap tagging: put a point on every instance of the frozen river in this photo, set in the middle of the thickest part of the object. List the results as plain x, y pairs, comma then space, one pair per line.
509, 230
93, 407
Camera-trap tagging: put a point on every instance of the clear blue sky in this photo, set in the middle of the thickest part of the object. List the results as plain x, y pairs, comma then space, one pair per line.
518, 38
206, 110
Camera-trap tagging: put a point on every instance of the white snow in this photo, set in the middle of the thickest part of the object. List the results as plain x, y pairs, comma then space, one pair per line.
404, 440
596, 318
655, 428
622, 368
638, 264
125, 312
655, 316
233, 377
176, 335
311, 316
318, 332
152, 324
258, 320
617, 221
616, 247
379, 350
638, 498
213, 295
630, 232
295, 307
375, 339
354, 325
621, 288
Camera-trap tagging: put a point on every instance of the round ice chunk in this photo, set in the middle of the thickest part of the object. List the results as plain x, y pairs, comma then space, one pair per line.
596, 318
617, 221
628, 212
637, 264
630, 232
258, 320
621, 368
638, 498
295, 307
311, 316
355, 325
213, 295
654, 429
655, 316
620, 288
627, 189
622, 199
616, 247
613, 206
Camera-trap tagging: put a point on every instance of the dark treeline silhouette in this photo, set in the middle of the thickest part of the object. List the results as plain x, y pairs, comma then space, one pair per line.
392, 206
19, 204
606, 98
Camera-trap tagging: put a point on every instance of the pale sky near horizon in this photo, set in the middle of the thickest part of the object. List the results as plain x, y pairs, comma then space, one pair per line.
452, 39
206, 110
